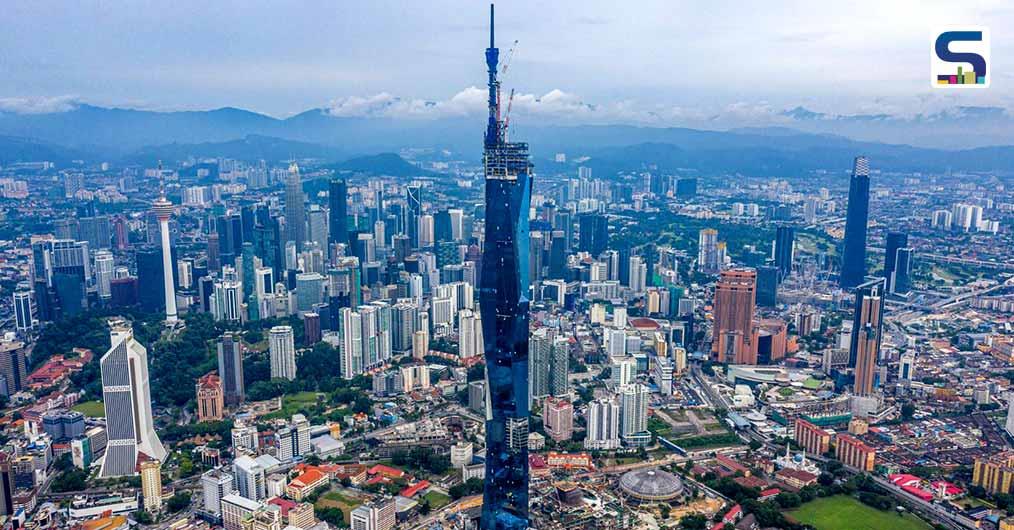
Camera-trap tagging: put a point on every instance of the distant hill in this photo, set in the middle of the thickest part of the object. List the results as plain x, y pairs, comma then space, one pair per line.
388, 164
99, 134
13, 149
251, 148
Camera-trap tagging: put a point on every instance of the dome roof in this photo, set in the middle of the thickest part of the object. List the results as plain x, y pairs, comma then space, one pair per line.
651, 484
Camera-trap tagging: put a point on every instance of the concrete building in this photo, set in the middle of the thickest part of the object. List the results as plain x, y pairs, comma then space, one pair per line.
282, 345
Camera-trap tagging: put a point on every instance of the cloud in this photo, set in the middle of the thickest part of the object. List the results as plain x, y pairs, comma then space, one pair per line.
39, 105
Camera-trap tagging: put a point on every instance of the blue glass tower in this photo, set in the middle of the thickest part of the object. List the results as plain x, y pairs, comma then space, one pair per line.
503, 302
853, 257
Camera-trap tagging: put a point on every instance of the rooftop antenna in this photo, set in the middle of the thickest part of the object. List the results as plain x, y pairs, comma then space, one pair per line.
161, 181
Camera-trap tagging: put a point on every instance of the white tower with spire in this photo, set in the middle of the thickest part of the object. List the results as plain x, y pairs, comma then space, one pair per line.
163, 210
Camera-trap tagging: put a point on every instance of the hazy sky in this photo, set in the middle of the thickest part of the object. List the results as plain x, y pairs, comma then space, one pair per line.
660, 61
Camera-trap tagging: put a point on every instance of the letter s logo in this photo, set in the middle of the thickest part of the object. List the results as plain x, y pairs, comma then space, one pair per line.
949, 67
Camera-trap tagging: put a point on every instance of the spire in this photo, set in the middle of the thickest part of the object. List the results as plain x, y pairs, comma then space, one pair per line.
161, 181
491, 45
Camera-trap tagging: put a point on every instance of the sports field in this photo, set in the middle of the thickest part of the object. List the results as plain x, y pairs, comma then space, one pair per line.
842, 512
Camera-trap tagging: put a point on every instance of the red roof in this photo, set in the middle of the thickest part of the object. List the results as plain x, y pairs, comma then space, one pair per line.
770, 491
536, 461
918, 492
284, 504
387, 471
949, 489
412, 490
904, 479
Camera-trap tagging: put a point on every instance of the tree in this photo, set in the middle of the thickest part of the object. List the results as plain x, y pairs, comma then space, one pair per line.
907, 411
143, 517
694, 522
178, 502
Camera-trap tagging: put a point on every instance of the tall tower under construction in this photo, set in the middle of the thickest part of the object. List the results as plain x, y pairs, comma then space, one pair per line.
503, 302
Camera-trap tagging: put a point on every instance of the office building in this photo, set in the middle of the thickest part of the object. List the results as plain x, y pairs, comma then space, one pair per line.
24, 321
295, 208
503, 301
376, 515
13, 366
215, 486
236, 509
248, 476
294, 439
230, 368
767, 285
338, 227
853, 260
732, 331
785, 240
593, 233
126, 397
558, 419
210, 398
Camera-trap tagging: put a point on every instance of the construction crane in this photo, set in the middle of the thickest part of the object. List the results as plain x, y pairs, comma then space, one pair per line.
507, 116
510, 99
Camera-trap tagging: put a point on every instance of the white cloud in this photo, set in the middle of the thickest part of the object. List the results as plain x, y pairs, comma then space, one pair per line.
38, 105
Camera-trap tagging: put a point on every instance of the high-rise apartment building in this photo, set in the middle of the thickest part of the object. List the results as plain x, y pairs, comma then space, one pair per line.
558, 419
812, 438
855, 453
603, 424
708, 259
215, 485
282, 347
867, 325
633, 409
248, 477
151, 485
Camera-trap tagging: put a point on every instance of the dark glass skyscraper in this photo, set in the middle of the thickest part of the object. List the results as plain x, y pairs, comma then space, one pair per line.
337, 215
853, 257
503, 302
593, 236
894, 241
785, 237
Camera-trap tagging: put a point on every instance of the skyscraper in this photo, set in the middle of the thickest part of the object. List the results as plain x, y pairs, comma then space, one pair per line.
853, 258
413, 196
633, 409
163, 210
230, 368
503, 301
281, 343
23, 309
210, 398
866, 329
151, 485
295, 208
127, 399
732, 333
785, 237
603, 425
593, 233
707, 251
893, 242
337, 215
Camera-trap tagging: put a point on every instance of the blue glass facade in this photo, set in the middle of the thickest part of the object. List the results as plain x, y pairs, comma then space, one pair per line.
853, 257
503, 302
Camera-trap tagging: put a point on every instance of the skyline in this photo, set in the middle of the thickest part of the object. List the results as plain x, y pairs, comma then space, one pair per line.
821, 71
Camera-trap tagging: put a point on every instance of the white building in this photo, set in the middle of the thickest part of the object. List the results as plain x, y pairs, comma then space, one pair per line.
215, 485
633, 409
603, 425
248, 476
126, 397
281, 343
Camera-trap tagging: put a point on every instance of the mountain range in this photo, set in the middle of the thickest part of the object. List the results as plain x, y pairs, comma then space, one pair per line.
140, 137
